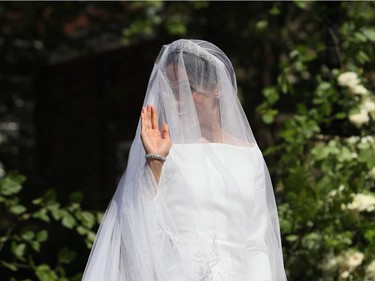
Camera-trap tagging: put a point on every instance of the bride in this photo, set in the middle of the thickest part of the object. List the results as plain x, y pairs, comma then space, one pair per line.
196, 202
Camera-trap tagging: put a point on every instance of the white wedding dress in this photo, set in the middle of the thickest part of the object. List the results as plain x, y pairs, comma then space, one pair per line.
231, 257
212, 216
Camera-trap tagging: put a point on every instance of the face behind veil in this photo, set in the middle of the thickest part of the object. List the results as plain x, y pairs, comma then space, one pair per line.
167, 231
194, 88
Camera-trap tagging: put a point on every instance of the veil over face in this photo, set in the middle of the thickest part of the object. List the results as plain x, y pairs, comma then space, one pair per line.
213, 215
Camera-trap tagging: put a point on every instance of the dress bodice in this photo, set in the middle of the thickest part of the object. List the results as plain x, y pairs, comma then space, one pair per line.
210, 194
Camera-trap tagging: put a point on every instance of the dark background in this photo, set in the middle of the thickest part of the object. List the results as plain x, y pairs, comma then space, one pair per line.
72, 81
73, 76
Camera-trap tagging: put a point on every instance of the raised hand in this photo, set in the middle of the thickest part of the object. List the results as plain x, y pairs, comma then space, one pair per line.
154, 141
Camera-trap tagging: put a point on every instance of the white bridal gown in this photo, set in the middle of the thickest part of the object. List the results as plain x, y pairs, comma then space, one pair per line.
233, 255
213, 215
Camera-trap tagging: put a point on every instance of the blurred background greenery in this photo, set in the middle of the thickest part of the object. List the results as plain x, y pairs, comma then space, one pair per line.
72, 80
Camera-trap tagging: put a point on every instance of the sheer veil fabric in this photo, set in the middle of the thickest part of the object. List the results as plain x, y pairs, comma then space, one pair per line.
212, 215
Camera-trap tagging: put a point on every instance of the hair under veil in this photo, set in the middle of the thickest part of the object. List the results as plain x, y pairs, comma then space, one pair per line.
212, 215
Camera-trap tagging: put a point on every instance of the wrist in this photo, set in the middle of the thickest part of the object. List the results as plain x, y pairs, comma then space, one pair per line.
154, 156
154, 162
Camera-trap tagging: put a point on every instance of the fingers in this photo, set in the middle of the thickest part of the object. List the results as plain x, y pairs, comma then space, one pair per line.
143, 119
165, 131
149, 118
154, 120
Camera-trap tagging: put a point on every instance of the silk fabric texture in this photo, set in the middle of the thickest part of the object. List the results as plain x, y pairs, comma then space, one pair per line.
212, 215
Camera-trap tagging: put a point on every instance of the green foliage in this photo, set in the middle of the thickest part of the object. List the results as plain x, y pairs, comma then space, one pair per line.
326, 166
155, 15
25, 229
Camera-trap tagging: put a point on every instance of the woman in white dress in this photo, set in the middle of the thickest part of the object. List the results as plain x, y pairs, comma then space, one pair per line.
196, 202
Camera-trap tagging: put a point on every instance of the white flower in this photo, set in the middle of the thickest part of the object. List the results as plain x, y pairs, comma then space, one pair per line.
360, 118
353, 139
345, 274
370, 269
372, 173
348, 79
331, 262
367, 139
332, 193
362, 202
355, 260
368, 105
358, 90
354, 155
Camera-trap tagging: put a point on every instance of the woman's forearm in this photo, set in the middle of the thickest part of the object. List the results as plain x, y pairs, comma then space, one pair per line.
156, 166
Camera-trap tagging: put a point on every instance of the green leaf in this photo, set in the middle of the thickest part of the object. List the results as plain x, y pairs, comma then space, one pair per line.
91, 236
370, 235
176, 25
66, 256
42, 215
81, 230
341, 115
35, 245
18, 209
18, 250
369, 33
76, 197
10, 266
88, 219
320, 152
311, 240
268, 119
344, 155
68, 220
299, 65
49, 195
323, 88
28, 235
292, 238
360, 37
11, 184
269, 115
367, 156
271, 94
55, 210
262, 24
45, 273
37, 201
294, 53
99, 216
275, 9
301, 4
42, 236
363, 57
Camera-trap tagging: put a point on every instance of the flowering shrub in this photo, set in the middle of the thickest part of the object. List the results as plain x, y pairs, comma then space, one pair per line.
366, 106
325, 168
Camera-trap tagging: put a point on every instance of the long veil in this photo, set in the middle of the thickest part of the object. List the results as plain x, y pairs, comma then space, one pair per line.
214, 193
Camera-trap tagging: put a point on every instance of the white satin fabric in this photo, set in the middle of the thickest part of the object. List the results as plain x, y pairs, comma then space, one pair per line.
230, 258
